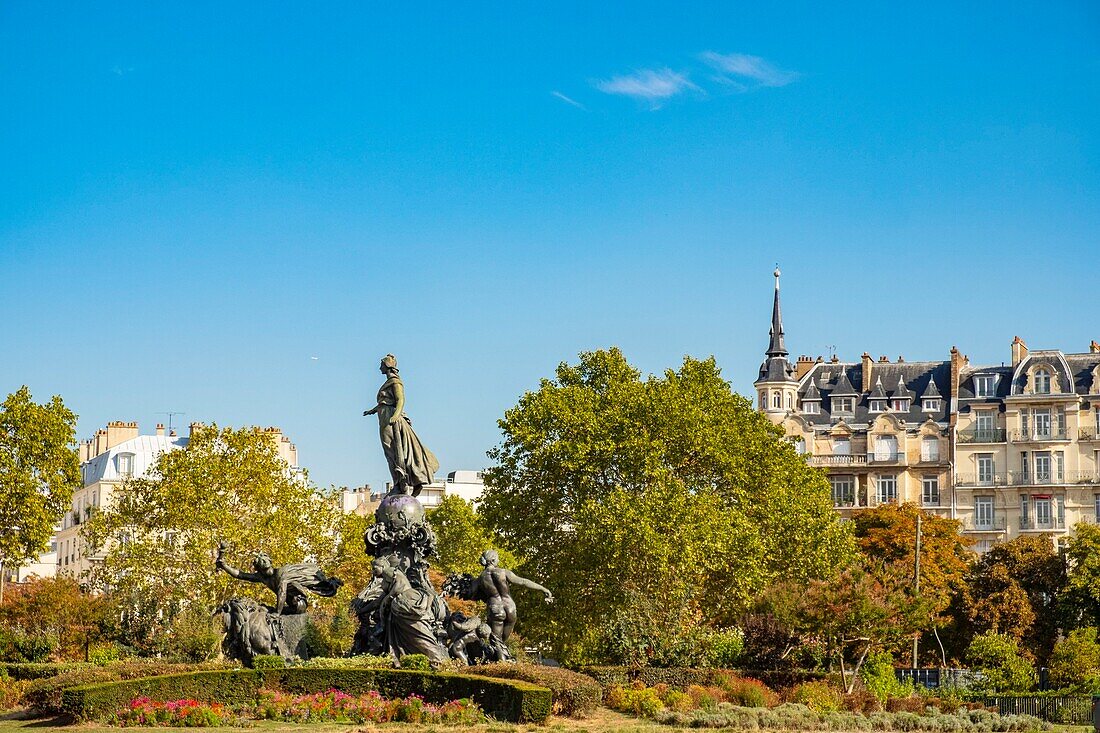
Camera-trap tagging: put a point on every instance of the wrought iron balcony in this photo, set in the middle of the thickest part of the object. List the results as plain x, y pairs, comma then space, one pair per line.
988, 435
1034, 478
972, 523
1039, 436
1033, 525
838, 460
981, 479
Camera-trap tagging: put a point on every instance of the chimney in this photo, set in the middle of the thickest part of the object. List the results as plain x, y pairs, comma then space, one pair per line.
1094, 348
834, 359
883, 360
803, 366
956, 371
194, 428
900, 360
865, 386
160, 430
1019, 350
119, 432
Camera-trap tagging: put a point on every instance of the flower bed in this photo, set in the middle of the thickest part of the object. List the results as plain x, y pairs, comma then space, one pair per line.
331, 706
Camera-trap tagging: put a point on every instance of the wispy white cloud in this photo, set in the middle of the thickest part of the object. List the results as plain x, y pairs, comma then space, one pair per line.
567, 100
651, 85
746, 71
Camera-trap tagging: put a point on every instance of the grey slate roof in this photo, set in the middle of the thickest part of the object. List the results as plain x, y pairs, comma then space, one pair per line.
1082, 366
836, 379
878, 393
931, 391
901, 393
812, 394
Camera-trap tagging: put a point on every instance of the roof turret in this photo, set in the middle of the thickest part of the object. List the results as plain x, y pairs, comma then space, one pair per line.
843, 386
902, 392
878, 393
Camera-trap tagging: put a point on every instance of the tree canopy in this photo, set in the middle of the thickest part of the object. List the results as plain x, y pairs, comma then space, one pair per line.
39, 470
159, 534
606, 482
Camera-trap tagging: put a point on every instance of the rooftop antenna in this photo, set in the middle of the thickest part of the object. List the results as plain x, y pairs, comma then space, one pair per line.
171, 415
832, 351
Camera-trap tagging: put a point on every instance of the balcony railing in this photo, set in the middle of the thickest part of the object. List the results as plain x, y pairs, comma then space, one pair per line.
838, 460
988, 435
1032, 478
897, 458
1089, 434
981, 479
1039, 436
972, 523
1033, 525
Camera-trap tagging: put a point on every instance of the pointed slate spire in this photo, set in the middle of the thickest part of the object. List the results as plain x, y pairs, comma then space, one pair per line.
775, 345
931, 390
878, 393
843, 386
902, 392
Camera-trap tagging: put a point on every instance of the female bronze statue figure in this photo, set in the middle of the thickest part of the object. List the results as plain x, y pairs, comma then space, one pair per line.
411, 464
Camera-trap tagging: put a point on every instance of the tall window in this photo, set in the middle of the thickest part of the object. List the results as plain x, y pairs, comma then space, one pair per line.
930, 491
887, 489
1096, 507
1042, 381
763, 399
1040, 419
843, 490
790, 402
985, 385
799, 445
1042, 467
984, 422
1043, 517
777, 401
1059, 466
886, 448
842, 447
983, 512
1025, 515
986, 471
126, 464
930, 449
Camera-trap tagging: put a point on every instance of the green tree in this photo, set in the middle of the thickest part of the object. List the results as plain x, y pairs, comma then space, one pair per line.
1001, 666
1081, 596
599, 453
1014, 589
56, 608
159, 534
39, 470
1075, 661
462, 536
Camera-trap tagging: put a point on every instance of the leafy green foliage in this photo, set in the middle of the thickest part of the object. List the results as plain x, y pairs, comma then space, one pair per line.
879, 678
1082, 592
819, 696
161, 531
461, 537
1075, 661
607, 483
39, 470
1001, 666
268, 661
56, 613
1014, 590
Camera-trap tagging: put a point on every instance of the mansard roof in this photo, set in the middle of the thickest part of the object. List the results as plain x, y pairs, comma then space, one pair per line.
831, 379
901, 393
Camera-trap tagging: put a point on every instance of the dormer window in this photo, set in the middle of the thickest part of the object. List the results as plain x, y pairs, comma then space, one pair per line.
878, 406
931, 404
125, 464
985, 385
811, 408
844, 405
901, 405
1041, 381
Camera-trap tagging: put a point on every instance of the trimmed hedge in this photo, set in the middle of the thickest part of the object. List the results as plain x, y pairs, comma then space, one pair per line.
575, 694
44, 694
681, 677
512, 701
38, 670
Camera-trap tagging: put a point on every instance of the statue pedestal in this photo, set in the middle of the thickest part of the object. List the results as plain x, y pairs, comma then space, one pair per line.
293, 642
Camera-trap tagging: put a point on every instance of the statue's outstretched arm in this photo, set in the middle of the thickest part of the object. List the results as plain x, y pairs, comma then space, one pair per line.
514, 579
238, 574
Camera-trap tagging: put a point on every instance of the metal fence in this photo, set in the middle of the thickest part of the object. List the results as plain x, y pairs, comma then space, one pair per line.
935, 677
1064, 709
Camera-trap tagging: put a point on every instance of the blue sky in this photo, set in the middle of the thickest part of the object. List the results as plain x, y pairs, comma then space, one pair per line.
196, 199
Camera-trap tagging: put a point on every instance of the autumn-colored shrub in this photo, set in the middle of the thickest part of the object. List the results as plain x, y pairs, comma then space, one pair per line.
818, 696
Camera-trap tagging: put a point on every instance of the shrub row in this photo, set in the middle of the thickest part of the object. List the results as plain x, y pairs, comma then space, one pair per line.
681, 677
44, 694
575, 694
791, 716
37, 670
510, 700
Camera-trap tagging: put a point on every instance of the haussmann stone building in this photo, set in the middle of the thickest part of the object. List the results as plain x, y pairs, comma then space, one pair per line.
1006, 450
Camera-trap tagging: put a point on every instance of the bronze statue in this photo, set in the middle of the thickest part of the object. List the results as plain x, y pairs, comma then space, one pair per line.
405, 612
251, 628
289, 583
411, 464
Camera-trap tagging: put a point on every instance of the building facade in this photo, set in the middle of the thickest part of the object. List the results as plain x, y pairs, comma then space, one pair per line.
113, 455
1006, 450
